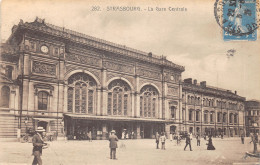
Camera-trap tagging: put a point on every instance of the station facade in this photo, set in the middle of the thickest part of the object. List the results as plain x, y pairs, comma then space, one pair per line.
252, 116
71, 84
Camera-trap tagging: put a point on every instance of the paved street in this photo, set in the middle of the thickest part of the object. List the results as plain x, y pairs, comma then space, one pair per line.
143, 152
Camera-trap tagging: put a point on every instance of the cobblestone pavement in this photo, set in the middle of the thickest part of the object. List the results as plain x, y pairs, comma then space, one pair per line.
143, 152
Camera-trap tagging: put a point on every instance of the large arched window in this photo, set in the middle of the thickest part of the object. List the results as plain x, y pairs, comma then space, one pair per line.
118, 98
81, 93
231, 118
148, 101
5, 97
43, 100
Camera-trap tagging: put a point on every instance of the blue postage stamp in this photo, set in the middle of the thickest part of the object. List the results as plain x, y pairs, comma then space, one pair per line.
238, 19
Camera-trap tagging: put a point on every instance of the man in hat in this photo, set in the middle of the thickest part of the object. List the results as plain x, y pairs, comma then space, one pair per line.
188, 142
113, 144
37, 146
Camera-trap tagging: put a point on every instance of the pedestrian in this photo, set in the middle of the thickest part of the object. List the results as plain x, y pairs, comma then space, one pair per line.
242, 138
171, 136
190, 136
123, 135
210, 144
188, 142
90, 136
222, 135
157, 138
198, 139
113, 144
163, 139
178, 139
133, 134
38, 143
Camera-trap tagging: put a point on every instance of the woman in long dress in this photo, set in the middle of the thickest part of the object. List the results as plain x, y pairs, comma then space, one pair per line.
210, 144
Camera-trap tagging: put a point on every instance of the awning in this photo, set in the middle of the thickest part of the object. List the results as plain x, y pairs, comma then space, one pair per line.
113, 118
45, 119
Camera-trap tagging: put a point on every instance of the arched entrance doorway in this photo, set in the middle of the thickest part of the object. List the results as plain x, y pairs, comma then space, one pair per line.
173, 129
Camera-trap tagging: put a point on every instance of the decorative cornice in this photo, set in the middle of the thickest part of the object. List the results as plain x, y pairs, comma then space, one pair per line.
40, 25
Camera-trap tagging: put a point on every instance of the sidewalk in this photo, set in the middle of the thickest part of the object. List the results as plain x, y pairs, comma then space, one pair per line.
137, 152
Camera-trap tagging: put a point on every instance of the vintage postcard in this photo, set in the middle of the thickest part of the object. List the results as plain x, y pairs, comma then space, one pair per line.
93, 82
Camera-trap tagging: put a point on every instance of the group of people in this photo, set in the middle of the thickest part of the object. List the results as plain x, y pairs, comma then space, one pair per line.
82, 135
126, 135
188, 138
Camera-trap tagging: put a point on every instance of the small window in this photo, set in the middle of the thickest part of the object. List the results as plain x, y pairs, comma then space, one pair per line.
190, 115
172, 78
197, 115
9, 72
42, 100
173, 112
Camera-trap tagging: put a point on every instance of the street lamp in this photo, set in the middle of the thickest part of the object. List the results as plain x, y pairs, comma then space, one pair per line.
255, 139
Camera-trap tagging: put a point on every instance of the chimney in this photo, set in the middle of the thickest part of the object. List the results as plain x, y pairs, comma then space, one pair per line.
203, 83
195, 82
235, 92
188, 80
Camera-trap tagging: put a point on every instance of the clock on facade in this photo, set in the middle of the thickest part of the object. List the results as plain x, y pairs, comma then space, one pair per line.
44, 49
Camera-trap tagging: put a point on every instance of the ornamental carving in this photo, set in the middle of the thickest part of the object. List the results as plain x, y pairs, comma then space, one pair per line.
173, 91
148, 73
171, 77
83, 59
119, 67
44, 68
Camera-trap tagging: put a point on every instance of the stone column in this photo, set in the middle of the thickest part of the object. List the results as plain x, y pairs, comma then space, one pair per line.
160, 107
16, 95
25, 94
104, 102
132, 108
61, 97
65, 103
104, 92
31, 97
35, 101
180, 105
26, 67
166, 111
104, 131
138, 131
137, 97
167, 130
152, 135
137, 105
98, 101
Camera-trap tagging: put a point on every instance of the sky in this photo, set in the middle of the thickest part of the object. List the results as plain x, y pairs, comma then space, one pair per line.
190, 38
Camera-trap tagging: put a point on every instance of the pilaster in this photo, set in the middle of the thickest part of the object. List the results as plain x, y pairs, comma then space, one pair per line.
104, 131
98, 101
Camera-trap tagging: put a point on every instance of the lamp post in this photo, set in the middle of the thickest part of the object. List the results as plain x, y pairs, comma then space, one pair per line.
255, 138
